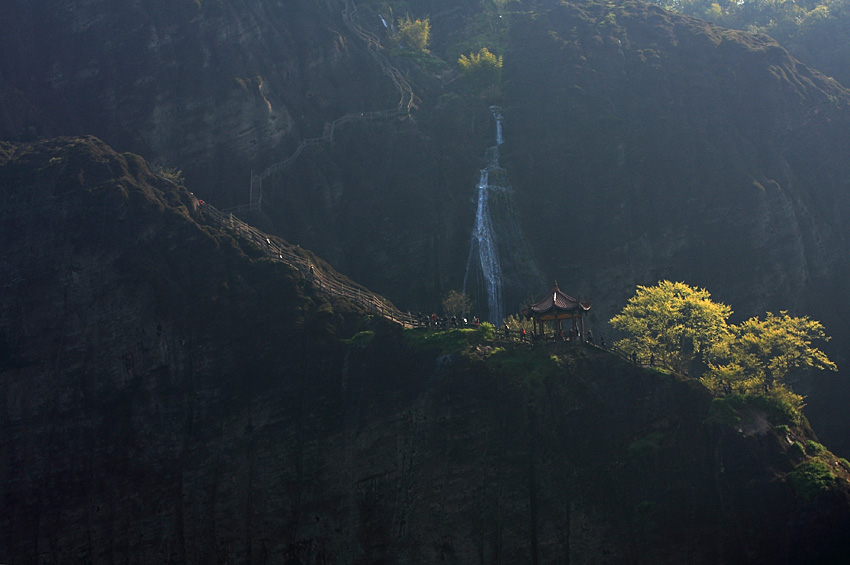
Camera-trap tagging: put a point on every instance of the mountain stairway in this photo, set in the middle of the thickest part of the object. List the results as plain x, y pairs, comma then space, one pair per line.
403, 109
277, 250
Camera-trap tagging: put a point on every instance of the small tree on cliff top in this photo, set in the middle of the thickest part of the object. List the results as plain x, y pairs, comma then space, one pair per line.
673, 322
758, 355
456, 303
414, 34
483, 70
677, 323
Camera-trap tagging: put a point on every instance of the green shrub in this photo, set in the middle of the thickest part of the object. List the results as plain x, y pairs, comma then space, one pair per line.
415, 34
528, 366
722, 412
814, 448
797, 450
486, 331
811, 478
456, 303
483, 70
782, 429
447, 342
781, 405
173, 174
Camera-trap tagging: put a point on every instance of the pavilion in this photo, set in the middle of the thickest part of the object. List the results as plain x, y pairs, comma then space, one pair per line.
556, 307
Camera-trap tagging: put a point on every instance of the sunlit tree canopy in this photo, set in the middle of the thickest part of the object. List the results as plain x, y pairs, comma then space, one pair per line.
758, 354
675, 324
672, 322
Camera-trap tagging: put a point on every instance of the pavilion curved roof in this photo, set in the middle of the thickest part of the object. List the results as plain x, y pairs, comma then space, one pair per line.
556, 301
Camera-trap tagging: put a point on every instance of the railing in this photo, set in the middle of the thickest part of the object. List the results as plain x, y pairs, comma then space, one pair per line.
373, 45
640, 361
272, 248
313, 274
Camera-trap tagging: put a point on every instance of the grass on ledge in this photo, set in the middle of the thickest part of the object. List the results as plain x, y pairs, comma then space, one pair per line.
446, 341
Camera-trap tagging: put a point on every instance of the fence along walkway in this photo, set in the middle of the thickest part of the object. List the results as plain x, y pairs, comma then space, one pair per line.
313, 274
405, 103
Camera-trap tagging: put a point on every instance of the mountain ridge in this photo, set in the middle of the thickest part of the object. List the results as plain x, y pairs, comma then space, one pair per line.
169, 394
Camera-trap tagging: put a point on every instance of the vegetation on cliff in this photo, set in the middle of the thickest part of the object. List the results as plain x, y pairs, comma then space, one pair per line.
738, 433
182, 398
414, 34
483, 71
816, 32
675, 325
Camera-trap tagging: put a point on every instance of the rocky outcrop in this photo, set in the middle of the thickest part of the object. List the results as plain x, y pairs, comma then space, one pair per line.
164, 397
213, 88
641, 145
673, 149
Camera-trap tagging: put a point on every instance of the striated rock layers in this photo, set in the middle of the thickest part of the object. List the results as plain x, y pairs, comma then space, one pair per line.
212, 88
164, 397
666, 148
640, 144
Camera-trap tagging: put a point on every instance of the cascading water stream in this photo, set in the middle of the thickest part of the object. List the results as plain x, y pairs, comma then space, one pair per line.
483, 236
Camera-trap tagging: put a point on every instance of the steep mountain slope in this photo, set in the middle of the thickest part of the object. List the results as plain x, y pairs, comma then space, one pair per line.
639, 144
168, 398
673, 149
214, 88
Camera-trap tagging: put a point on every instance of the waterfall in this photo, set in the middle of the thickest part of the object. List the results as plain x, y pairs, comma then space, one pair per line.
498, 115
483, 243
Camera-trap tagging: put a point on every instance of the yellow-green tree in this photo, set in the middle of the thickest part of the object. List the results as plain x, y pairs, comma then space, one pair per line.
673, 322
456, 303
173, 174
757, 355
414, 34
482, 70
517, 322
677, 323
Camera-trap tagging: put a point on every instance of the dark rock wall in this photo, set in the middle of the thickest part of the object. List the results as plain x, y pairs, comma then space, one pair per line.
212, 88
641, 145
165, 399
664, 147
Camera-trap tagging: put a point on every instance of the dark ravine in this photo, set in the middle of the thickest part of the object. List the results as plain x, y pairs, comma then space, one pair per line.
168, 398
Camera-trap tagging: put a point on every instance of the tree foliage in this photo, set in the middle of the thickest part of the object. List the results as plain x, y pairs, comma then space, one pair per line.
516, 323
173, 174
759, 354
673, 322
677, 323
414, 34
456, 303
482, 70
815, 31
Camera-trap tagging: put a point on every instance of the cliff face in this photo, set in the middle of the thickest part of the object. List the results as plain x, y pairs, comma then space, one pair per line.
655, 145
669, 148
681, 150
640, 145
165, 398
127, 320
213, 88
